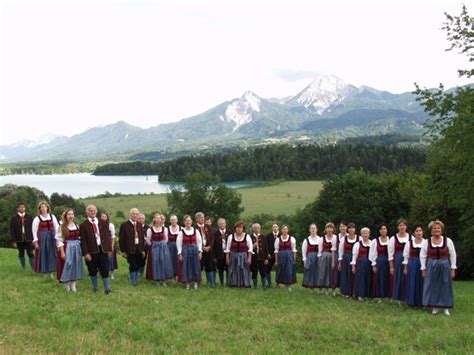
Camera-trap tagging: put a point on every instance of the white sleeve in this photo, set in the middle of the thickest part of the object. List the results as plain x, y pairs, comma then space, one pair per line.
320, 246
373, 252
228, 244
391, 248
179, 242
304, 248
334, 243
452, 253
165, 234
276, 245
293, 245
341, 248
424, 254
249, 243
355, 253
59, 239
199, 240
112, 230
406, 253
34, 228
148, 236
55, 224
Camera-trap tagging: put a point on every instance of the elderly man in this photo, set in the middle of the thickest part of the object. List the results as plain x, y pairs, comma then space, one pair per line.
220, 243
132, 244
96, 247
21, 235
260, 255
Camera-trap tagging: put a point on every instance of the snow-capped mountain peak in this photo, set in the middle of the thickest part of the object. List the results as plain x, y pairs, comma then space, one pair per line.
43, 139
323, 92
240, 110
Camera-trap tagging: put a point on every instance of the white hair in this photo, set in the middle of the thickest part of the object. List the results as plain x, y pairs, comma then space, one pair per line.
134, 210
255, 225
198, 214
365, 229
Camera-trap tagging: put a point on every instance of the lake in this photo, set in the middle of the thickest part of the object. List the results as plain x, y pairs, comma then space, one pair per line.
85, 185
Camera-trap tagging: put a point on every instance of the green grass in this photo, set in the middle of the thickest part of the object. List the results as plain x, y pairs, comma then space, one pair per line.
38, 315
281, 198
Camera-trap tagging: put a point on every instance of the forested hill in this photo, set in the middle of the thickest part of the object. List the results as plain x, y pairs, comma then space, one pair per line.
271, 162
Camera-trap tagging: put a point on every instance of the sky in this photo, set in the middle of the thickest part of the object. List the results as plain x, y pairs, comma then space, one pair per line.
68, 66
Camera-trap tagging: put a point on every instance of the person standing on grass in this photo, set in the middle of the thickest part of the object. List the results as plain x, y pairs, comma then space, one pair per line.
412, 268
396, 245
113, 262
44, 228
173, 231
21, 235
68, 240
285, 258
207, 263
361, 266
327, 260
220, 244
189, 245
132, 244
378, 255
438, 265
159, 266
309, 252
346, 245
271, 237
239, 257
96, 247
142, 261
260, 256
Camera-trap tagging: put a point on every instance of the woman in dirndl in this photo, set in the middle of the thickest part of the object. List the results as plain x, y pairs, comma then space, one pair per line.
412, 268
189, 245
309, 253
361, 266
378, 255
239, 257
327, 260
70, 264
346, 244
438, 265
396, 245
173, 231
285, 258
159, 266
45, 226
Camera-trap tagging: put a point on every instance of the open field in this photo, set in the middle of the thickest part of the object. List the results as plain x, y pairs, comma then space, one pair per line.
276, 199
39, 316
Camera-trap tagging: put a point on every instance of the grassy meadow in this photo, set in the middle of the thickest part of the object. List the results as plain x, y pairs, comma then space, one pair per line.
39, 316
277, 198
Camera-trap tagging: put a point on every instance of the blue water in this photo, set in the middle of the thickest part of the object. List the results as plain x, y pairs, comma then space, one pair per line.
84, 185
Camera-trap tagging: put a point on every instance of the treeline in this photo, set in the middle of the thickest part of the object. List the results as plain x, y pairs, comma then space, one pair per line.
271, 162
46, 168
388, 139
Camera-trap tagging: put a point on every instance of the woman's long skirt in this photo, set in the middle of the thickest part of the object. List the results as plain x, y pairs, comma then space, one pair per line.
46, 258
72, 268
286, 270
362, 278
239, 270
310, 275
399, 279
191, 267
438, 285
159, 266
414, 283
346, 284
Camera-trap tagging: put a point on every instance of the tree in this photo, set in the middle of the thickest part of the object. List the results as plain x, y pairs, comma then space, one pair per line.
450, 164
203, 192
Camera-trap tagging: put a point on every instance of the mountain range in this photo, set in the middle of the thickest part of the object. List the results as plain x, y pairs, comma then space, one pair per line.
327, 109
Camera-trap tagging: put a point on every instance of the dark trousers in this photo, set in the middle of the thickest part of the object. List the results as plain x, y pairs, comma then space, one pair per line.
25, 246
258, 266
141, 260
100, 262
134, 261
207, 262
269, 267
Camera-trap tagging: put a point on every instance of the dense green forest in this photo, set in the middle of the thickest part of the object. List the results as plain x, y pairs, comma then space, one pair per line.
271, 162
46, 168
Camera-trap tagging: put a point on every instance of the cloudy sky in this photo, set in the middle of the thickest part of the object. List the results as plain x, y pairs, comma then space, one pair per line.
68, 66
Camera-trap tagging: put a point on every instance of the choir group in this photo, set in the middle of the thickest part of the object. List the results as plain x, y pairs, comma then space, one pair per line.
403, 267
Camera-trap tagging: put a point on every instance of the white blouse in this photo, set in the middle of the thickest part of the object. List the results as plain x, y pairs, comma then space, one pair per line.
248, 241
304, 247
59, 238
333, 242
292, 240
188, 232
406, 250
36, 222
355, 250
373, 253
156, 230
391, 244
112, 230
341, 244
451, 250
